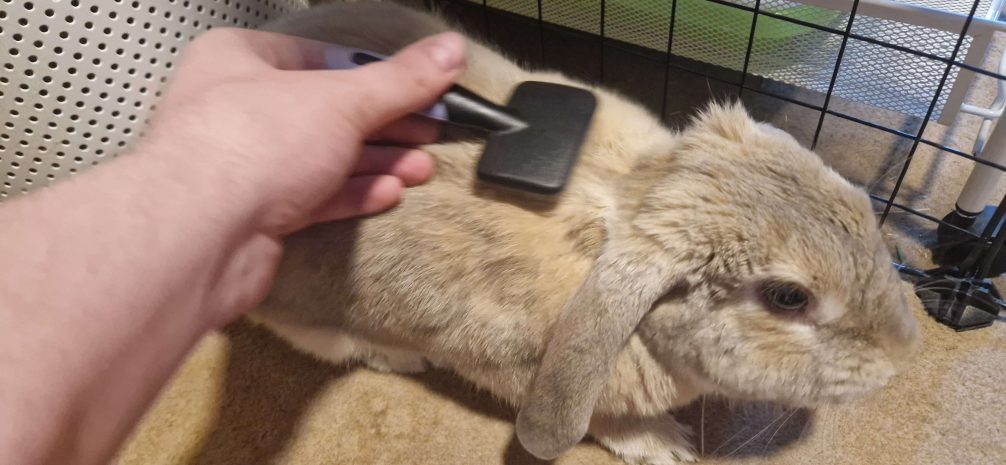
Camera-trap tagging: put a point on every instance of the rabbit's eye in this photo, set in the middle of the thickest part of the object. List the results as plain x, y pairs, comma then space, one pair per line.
785, 297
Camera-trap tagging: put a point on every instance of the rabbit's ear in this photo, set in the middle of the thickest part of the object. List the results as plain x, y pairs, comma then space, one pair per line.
586, 341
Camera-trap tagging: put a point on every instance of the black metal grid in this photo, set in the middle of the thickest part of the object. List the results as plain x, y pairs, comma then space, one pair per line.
987, 244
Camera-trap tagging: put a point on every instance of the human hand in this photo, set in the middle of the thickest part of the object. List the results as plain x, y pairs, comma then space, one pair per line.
294, 141
283, 143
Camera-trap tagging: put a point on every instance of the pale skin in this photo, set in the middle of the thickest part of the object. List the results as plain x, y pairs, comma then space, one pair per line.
110, 278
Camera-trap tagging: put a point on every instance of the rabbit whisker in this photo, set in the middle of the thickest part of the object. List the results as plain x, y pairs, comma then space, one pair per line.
935, 285
727, 441
752, 438
702, 427
946, 245
771, 438
803, 433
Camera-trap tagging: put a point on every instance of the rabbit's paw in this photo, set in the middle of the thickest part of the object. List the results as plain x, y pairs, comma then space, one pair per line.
394, 361
646, 441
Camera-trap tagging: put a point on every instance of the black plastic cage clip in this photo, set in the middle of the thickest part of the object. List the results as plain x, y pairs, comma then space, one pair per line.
962, 303
961, 294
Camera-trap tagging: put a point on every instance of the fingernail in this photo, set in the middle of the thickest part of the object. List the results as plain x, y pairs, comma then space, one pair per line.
447, 51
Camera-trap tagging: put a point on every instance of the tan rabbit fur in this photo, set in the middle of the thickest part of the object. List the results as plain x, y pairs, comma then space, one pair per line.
637, 289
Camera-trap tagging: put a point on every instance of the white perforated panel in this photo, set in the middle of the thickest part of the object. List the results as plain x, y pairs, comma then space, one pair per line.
79, 77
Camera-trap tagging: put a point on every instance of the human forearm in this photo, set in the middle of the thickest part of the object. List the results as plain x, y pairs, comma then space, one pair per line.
96, 344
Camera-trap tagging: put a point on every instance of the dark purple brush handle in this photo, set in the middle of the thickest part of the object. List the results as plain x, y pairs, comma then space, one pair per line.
342, 57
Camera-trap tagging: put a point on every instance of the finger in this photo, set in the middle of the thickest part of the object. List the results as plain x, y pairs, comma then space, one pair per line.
362, 195
408, 81
287, 52
411, 130
412, 166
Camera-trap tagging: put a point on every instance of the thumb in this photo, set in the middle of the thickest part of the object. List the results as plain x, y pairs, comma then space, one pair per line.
409, 81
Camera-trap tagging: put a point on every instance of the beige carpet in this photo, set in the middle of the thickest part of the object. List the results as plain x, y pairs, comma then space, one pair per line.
243, 397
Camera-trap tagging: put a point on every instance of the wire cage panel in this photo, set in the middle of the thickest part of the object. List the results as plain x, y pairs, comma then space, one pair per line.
527, 8
717, 34
80, 78
960, 7
891, 79
573, 14
903, 82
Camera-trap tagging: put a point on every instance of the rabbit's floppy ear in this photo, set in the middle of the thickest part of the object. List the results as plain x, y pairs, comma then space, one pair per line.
586, 341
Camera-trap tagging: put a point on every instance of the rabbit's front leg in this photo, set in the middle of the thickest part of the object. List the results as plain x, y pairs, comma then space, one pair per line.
389, 360
658, 440
337, 347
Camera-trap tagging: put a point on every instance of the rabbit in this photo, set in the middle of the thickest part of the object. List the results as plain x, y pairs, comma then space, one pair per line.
724, 258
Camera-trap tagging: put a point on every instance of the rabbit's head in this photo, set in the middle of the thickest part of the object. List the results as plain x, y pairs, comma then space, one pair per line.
741, 257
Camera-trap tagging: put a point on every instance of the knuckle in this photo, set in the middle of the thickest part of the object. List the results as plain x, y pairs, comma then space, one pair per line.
421, 81
416, 75
220, 34
213, 40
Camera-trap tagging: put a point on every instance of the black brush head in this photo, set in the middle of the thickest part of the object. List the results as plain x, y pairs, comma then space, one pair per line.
539, 156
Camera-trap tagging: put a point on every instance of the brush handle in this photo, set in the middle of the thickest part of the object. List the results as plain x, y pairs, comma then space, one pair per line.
458, 105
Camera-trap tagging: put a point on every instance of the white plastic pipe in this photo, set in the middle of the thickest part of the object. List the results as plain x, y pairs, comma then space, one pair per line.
984, 179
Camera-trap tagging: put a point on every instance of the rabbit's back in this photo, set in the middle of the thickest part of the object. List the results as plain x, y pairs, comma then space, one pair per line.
446, 271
